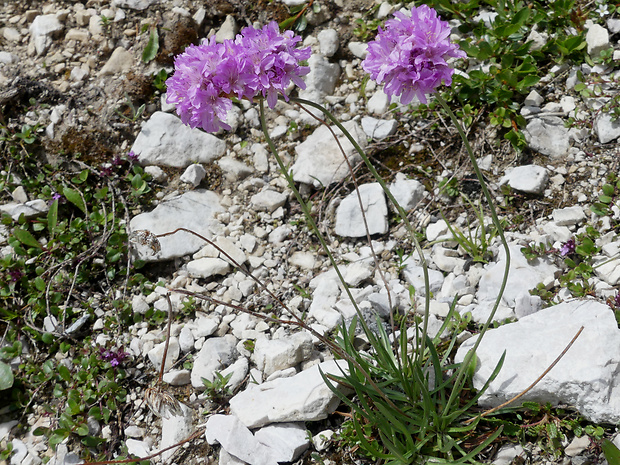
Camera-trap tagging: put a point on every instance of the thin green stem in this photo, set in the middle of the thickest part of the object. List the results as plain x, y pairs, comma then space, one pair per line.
500, 232
401, 213
313, 226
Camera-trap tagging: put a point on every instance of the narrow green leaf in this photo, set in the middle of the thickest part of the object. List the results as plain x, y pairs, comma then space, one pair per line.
52, 217
6, 376
75, 198
612, 453
152, 47
26, 238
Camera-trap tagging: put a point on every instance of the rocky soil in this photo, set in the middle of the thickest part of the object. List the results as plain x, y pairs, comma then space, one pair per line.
75, 71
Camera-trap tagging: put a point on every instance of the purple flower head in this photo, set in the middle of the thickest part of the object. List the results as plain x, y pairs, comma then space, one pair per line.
16, 275
115, 357
273, 60
132, 157
207, 76
617, 300
411, 54
567, 248
55, 196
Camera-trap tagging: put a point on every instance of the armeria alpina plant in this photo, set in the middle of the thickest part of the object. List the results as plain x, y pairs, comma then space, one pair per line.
408, 391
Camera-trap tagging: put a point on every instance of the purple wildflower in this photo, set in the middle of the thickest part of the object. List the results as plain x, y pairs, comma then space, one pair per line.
567, 248
411, 54
132, 157
274, 60
16, 275
117, 161
257, 62
106, 171
115, 357
55, 196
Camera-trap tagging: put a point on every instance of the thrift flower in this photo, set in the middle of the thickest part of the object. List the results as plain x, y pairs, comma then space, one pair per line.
567, 248
411, 54
206, 76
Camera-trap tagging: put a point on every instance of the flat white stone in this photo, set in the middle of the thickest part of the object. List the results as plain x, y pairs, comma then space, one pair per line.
216, 354
193, 210
319, 159
303, 397
377, 128
349, 220
531, 179
407, 192
287, 440
568, 216
548, 135
268, 200
587, 375
164, 140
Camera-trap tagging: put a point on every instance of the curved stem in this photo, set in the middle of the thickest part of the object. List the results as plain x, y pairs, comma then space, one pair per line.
500, 232
399, 209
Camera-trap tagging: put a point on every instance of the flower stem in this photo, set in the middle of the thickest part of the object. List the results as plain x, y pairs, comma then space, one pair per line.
401, 213
500, 232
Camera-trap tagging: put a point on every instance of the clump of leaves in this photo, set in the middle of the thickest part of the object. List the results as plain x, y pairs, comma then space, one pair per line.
610, 194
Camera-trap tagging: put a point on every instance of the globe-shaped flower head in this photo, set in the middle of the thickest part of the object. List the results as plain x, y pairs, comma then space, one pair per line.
259, 61
411, 54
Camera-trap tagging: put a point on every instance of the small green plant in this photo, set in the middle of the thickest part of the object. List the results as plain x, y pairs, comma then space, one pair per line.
414, 416
135, 114
611, 192
217, 390
475, 242
159, 82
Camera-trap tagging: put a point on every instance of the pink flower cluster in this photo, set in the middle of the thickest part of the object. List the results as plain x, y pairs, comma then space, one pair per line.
206, 76
410, 55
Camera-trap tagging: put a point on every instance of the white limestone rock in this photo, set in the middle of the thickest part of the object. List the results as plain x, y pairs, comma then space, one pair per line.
328, 42
179, 212
216, 354
174, 429
287, 440
236, 439
268, 200
42, 30
377, 128
156, 354
30, 209
607, 129
568, 216
319, 159
413, 274
322, 77
531, 179
597, 39
548, 135
164, 140
407, 192
587, 376
194, 174
523, 276
279, 354
208, 267
349, 220
303, 397
121, 61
